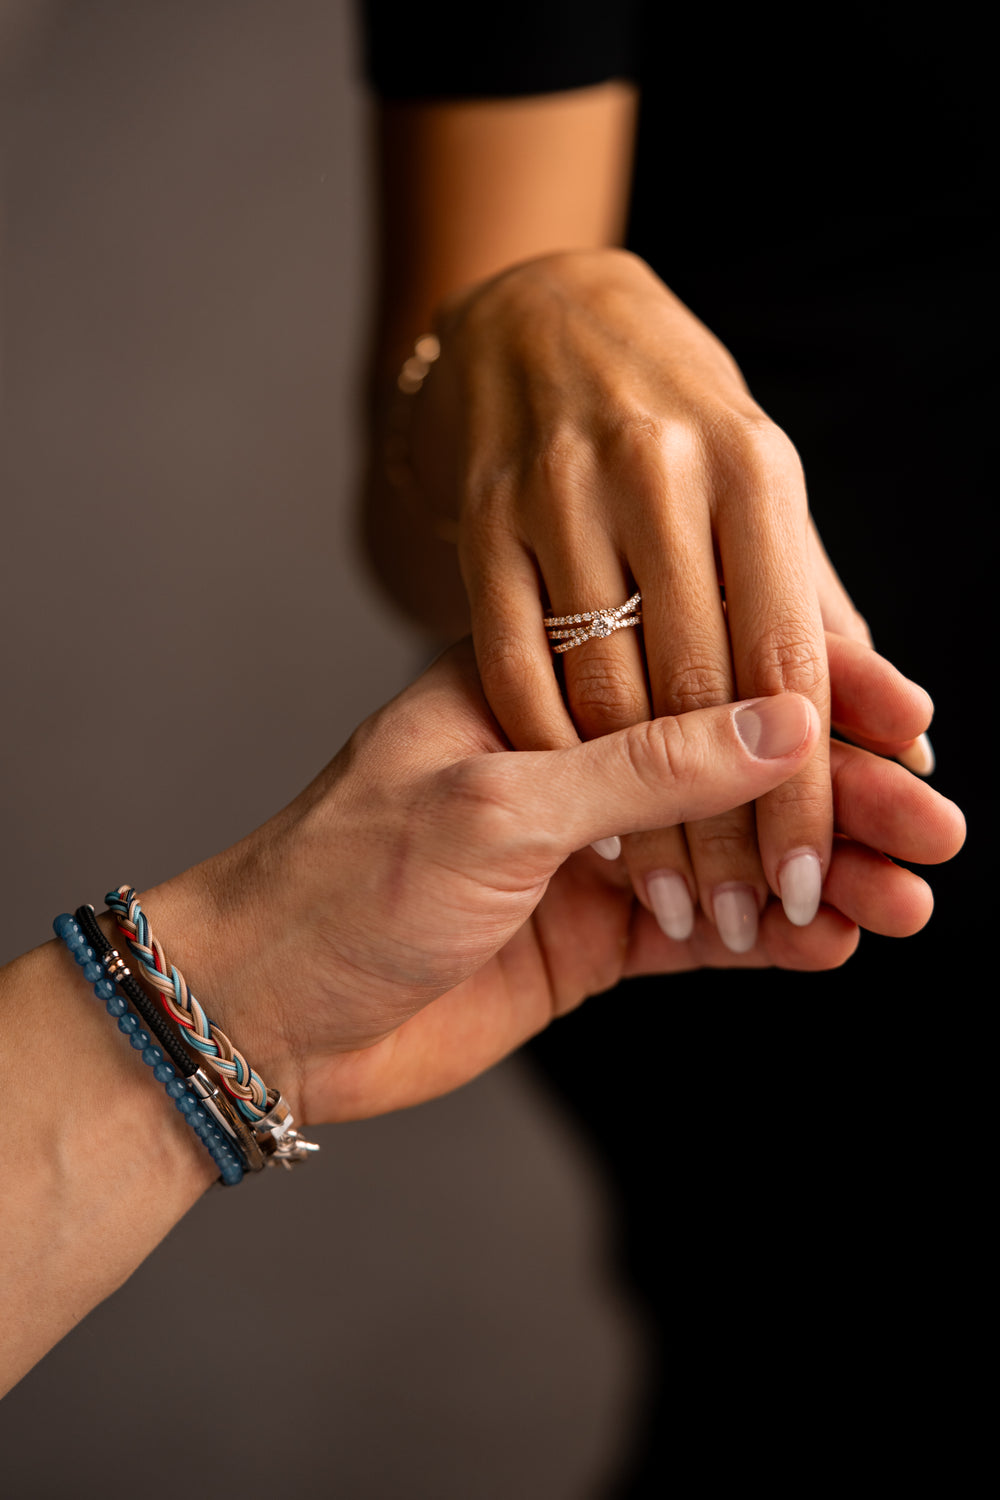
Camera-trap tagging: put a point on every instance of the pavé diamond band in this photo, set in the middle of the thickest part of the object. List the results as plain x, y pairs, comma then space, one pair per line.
592, 624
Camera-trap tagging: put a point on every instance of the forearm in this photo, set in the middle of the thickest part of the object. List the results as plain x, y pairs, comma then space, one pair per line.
99, 1165
466, 190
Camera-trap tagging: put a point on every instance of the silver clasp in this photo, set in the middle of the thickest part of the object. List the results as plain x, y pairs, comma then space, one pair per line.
278, 1138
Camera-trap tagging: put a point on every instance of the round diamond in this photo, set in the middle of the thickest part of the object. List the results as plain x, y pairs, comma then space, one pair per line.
601, 627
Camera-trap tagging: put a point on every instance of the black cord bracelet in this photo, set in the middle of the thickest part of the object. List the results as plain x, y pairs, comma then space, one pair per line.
187, 1065
158, 1024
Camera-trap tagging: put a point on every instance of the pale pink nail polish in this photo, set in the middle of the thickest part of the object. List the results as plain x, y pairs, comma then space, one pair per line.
800, 882
671, 902
608, 848
734, 908
919, 758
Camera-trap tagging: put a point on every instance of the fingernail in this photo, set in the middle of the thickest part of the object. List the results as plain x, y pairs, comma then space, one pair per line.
608, 848
919, 758
770, 727
800, 881
735, 910
671, 902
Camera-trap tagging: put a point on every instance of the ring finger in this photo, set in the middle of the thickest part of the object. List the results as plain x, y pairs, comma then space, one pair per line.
605, 687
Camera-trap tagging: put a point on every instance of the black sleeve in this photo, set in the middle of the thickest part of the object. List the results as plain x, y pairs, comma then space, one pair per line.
420, 50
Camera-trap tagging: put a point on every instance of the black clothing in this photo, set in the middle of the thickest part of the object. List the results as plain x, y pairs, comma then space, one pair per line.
817, 185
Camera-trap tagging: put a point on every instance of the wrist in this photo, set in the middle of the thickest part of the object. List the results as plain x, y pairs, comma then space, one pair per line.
216, 930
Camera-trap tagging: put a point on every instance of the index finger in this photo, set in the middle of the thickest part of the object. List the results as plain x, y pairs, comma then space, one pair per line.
513, 653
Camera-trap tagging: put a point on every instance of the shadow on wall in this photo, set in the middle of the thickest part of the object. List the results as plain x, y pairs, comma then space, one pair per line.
190, 637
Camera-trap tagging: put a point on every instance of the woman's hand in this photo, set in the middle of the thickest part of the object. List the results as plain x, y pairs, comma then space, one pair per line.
420, 911
413, 916
592, 437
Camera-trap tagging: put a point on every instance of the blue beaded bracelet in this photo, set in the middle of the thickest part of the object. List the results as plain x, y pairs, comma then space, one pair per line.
222, 1153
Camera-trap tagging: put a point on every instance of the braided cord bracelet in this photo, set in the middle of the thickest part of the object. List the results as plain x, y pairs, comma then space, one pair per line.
253, 1098
185, 1101
269, 1116
212, 1099
165, 1034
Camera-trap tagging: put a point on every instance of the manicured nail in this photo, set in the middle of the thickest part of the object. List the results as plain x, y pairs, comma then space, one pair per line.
800, 881
770, 727
671, 902
608, 848
919, 758
735, 910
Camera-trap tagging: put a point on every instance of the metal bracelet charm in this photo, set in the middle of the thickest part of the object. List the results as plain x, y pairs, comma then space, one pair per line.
279, 1140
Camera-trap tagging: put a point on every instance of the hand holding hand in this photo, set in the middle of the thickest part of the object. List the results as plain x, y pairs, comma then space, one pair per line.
415, 914
419, 910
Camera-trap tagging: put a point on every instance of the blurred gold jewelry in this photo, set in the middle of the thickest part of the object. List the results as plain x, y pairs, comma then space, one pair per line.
414, 372
398, 460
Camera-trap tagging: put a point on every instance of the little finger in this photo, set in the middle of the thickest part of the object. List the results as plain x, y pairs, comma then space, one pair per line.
881, 805
875, 893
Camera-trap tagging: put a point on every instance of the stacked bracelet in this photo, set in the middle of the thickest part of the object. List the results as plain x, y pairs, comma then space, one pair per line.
211, 1098
267, 1113
243, 1124
263, 1109
185, 1100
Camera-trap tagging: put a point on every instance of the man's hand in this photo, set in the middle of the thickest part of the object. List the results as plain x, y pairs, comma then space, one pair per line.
430, 902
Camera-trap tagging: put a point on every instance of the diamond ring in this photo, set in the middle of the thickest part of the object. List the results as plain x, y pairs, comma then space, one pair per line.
592, 624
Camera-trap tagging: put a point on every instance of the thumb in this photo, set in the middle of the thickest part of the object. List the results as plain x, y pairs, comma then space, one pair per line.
666, 771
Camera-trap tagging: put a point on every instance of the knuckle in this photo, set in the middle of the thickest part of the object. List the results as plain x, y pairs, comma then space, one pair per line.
487, 504
645, 441
633, 427
504, 661
560, 458
660, 752
763, 441
633, 442
603, 693
790, 660
650, 453
560, 475
803, 800
694, 685
725, 840
681, 446
758, 450
646, 451
481, 801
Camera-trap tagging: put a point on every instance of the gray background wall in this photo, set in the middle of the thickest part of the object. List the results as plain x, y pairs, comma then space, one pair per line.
428, 1310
